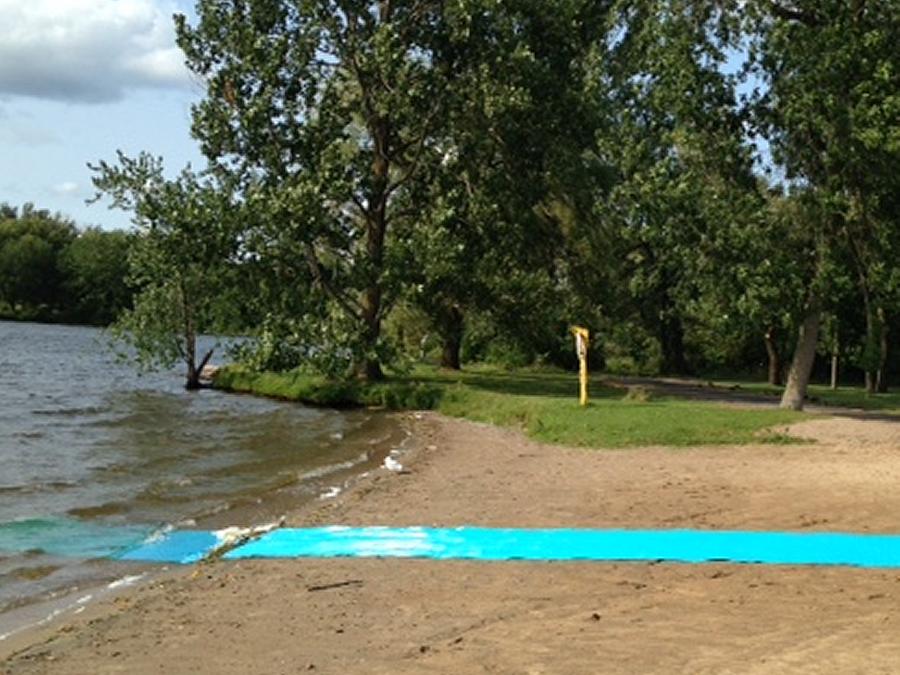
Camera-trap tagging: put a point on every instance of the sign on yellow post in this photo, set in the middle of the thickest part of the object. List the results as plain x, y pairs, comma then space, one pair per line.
582, 342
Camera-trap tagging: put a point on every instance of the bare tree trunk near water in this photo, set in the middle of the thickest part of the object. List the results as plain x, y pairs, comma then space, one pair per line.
189, 351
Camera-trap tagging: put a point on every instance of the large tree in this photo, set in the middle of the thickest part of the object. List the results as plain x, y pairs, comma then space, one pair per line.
684, 191
514, 152
830, 105
325, 111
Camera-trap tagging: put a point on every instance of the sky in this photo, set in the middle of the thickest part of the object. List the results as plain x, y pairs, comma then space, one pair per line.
80, 79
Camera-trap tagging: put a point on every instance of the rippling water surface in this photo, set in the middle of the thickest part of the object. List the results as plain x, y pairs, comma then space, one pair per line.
93, 457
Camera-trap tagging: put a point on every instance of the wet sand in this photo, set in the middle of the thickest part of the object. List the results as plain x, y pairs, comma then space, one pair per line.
415, 616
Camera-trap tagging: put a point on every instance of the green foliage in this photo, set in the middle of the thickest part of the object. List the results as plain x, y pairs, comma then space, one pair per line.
830, 106
393, 181
31, 246
178, 262
628, 349
96, 268
52, 272
151, 330
324, 113
320, 391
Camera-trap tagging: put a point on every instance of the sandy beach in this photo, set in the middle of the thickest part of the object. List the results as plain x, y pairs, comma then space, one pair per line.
418, 616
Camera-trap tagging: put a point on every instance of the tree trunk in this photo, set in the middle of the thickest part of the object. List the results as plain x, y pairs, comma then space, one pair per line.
835, 355
672, 343
881, 385
192, 382
774, 358
376, 226
804, 357
370, 368
452, 335
871, 329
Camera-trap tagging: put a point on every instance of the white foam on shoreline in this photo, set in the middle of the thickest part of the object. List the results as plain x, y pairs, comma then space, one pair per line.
333, 468
78, 606
128, 580
229, 536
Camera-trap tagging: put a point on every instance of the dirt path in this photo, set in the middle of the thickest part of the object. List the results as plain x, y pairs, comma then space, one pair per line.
411, 616
706, 390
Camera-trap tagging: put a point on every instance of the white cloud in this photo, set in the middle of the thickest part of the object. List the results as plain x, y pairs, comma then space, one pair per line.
87, 50
66, 189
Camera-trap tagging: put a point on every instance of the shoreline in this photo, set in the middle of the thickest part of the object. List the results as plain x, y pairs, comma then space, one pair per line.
395, 616
42, 614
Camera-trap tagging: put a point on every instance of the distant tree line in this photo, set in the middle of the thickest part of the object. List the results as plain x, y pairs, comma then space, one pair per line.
52, 271
468, 178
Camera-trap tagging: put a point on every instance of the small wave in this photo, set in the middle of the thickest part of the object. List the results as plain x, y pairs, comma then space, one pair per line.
70, 412
29, 435
31, 573
49, 486
108, 509
329, 469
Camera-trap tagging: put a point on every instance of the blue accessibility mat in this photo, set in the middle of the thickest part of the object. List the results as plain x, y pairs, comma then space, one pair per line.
477, 543
180, 546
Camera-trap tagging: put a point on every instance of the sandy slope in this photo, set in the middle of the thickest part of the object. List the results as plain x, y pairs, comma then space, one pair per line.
391, 616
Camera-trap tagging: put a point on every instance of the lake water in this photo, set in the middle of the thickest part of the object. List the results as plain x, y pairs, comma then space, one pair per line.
94, 458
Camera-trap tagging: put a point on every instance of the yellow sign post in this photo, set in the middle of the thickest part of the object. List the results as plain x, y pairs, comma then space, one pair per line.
582, 342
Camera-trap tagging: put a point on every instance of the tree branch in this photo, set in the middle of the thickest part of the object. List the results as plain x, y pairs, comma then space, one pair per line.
204, 361
364, 210
417, 157
794, 14
347, 303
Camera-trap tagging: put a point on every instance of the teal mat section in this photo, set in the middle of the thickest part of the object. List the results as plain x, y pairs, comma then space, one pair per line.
476, 543
70, 538
180, 547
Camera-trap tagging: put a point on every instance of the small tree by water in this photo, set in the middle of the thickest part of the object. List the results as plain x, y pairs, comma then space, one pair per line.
178, 262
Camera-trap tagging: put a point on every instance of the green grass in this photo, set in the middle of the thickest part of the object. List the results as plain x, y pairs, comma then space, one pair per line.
545, 406
820, 394
543, 403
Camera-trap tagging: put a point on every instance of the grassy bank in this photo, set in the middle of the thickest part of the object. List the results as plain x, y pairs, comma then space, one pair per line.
542, 403
395, 394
